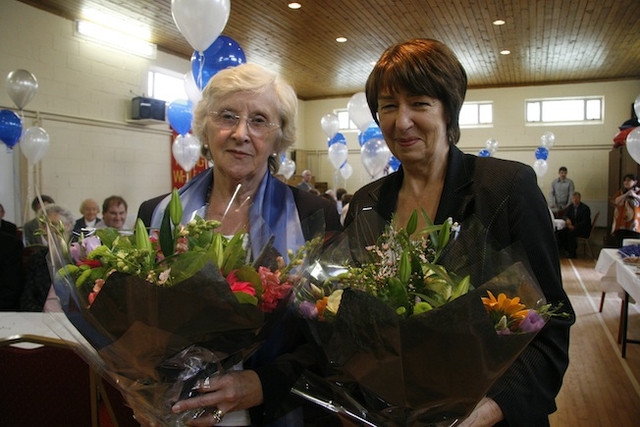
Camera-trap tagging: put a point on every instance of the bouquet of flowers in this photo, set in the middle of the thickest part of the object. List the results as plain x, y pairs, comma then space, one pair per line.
160, 313
408, 340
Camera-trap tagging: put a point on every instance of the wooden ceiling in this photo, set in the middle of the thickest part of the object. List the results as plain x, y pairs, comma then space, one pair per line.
551, 41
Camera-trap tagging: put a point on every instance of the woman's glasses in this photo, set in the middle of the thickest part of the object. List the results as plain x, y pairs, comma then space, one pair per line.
257, 125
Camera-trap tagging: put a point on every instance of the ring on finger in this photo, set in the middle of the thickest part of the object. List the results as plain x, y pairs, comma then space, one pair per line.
217, 415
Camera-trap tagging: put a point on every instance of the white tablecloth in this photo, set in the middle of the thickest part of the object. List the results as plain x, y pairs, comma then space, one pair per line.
46, 325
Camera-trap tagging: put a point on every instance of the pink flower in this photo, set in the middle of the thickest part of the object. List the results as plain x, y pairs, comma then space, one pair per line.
272, 290
239, 286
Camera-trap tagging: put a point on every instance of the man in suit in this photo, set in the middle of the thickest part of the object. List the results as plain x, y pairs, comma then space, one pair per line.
6, 226
578, 224
305, 184
30, 227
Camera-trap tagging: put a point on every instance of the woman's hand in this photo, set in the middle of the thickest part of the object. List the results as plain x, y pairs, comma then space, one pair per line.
230, 392
485, 414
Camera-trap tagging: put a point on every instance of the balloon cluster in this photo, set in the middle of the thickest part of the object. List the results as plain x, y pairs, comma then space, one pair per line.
200, 22
22, 86
540, 166
492, 147
633, 138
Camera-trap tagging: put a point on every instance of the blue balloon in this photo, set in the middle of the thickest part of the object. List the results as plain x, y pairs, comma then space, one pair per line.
337, 138
373, 131
180, 114
394, 163
484, 153
10, 128
542, 153
223, 53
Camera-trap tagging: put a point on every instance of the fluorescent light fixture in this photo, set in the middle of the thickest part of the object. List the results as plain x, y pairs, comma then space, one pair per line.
294, 6
341, 39
115, 39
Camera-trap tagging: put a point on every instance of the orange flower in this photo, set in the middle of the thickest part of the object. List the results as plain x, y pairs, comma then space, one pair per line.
321, 304
504, 306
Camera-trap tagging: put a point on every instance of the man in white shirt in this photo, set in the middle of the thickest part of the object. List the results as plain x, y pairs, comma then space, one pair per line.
562, 189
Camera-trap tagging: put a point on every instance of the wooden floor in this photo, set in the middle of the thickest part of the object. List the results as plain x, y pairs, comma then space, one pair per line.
600, 388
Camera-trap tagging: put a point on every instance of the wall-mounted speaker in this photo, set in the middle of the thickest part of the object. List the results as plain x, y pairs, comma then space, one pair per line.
147, 108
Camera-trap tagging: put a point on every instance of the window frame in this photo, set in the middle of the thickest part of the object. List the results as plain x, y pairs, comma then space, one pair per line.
538, 103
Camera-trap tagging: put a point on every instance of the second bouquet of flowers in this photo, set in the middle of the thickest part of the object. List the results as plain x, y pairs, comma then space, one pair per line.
161, 313
410, 336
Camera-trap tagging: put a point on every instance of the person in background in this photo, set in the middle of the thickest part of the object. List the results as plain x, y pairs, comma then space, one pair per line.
11, 271
30, 227
415, 93
578, 224
6, 226
89, 209
560, 194
38, 279
626, 213
339, 193
305, 184
247, 114
114, 213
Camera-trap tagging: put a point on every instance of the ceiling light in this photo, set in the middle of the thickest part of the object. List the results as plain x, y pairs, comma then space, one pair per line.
115, 39
294, 6
505, 52
341, 39
499, 22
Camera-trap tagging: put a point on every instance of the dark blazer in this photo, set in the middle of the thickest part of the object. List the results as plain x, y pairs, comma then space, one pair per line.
505, 197
8, 227
11, 272
80, 224
580, 216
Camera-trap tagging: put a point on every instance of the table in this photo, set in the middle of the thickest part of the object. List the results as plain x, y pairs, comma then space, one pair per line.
28, 329
610, 264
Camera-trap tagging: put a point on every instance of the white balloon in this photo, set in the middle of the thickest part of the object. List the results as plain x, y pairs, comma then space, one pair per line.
191, 88
547, 139
636, 106
200, 21
375, 156
359, 112
34, 144
287, 168
21, 86
186, 151
338, 154
633, 144
330, 124
541, 167
346, 171
492, 145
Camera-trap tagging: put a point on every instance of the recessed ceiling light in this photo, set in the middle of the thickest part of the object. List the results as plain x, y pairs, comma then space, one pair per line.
499, 22
341, 39
505, 52
294, 6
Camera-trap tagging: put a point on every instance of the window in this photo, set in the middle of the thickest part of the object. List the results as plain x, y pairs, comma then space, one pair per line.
565, 110
476, 114
344, 120
166, 85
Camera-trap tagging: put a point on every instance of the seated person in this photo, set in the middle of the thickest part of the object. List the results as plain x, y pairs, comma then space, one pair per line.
38, 278
89, 209
578, 224
30, 227
114, 213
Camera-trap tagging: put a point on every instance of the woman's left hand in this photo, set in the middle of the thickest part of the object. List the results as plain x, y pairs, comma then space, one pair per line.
230, 392
485, 414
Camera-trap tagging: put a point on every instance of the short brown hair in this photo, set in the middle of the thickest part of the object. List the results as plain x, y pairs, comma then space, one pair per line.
421, 67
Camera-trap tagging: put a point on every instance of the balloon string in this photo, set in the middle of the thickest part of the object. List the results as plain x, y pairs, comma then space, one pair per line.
201, 59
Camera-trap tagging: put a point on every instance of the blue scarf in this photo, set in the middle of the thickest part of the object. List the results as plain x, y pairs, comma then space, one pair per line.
273, 212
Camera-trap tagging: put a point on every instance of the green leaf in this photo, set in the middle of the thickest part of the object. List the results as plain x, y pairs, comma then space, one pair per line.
404, 267
108, 236
244, 298
248, 274
412, 224
175, 208
234, 254
188, 264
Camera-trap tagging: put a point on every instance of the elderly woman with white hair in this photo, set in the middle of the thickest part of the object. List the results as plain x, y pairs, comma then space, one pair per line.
245, 119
